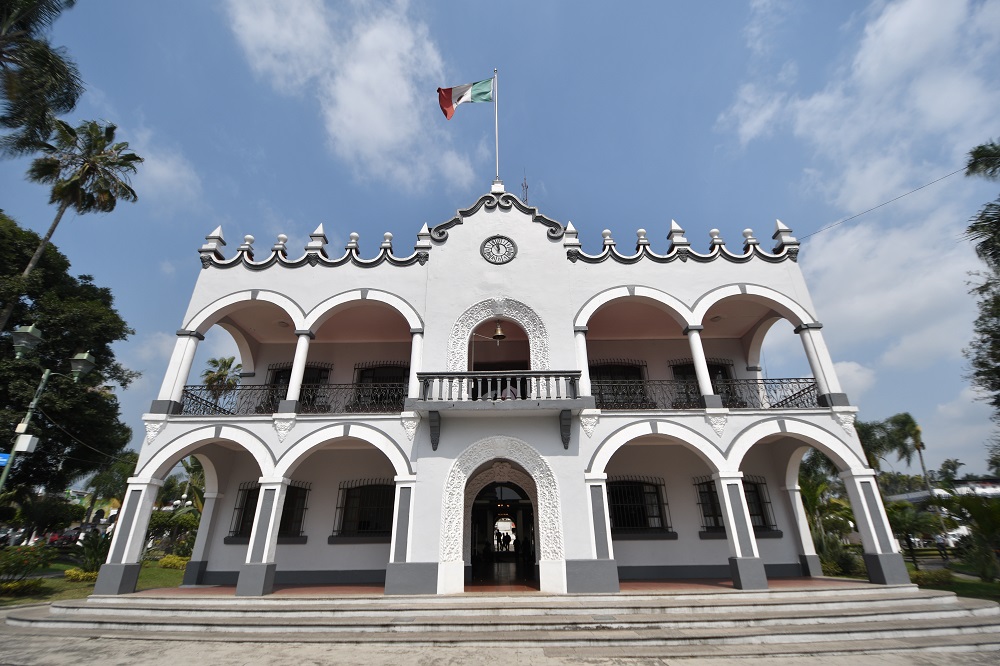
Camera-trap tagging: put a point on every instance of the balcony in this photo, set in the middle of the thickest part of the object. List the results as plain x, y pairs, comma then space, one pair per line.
259, 399
676, 394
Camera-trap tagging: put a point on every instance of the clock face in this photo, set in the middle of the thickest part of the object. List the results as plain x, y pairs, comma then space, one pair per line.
498, 249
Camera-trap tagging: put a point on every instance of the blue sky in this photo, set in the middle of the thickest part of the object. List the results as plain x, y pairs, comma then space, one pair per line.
271, 117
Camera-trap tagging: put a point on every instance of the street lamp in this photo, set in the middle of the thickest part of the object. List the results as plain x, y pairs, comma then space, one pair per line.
26, 338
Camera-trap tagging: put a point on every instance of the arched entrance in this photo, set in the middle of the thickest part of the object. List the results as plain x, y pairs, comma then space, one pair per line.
502, 536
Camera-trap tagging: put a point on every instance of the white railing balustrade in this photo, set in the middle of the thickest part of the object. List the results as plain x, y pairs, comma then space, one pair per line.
499, 386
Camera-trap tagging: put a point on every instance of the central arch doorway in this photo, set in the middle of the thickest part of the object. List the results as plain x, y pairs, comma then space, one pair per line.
502, 534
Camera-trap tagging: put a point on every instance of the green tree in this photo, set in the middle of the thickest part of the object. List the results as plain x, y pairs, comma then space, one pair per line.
78, 423
37, 81
909, 523
897, 435
982, 516
221, 375
111, 482
948, 472
88, 171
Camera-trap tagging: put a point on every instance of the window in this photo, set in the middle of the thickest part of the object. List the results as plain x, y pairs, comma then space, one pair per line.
637, 505
365, 509
620, 384
292, 513
380, 388
758, 506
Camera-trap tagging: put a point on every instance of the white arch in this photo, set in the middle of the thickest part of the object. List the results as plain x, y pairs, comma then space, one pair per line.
548, 510
844, 455
211, 313
301, 449
697, 442
320, 313
680, 312
787, 307
499, 472
509, 308
164, 460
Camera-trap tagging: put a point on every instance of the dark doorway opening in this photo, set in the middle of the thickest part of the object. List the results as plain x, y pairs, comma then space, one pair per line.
503, 537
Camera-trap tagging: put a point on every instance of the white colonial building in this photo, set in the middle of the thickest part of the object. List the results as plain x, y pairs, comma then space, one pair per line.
399, 415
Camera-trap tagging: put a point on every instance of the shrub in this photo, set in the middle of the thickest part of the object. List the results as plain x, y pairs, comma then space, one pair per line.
173, 562
19, 562
80, 576
21, 588
94, 549
933, 577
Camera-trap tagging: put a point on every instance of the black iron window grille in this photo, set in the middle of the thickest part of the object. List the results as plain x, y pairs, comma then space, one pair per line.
293, 510
364, 508
758, 505
638, 504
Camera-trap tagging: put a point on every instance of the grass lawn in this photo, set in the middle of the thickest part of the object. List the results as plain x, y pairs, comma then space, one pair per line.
60, 588
965, 586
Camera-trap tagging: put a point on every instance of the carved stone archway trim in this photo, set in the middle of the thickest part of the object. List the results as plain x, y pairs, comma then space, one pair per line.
500, 472
547, 507
508, 308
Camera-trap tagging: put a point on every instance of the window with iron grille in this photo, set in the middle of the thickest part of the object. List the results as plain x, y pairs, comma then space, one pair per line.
758, 505
365, 508
293, 510
637, 504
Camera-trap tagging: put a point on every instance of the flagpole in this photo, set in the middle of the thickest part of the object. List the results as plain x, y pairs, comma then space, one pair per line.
496, 120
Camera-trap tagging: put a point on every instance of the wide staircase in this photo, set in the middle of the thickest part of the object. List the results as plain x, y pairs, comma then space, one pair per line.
856, 619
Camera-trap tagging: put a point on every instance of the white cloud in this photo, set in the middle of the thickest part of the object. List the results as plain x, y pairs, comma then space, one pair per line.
959, 428
168, 268
373, 71
165, 177
855, 379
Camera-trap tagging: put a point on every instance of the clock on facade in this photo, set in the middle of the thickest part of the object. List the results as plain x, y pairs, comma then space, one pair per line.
498, 249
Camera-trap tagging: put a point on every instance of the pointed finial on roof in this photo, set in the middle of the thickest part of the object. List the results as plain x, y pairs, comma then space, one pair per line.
783, 236
676, 236
317, 242
423, 239
571, 237
213, 242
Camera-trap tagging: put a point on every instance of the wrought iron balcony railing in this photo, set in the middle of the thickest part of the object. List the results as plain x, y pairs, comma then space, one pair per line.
313, 399
494, 386
678, 394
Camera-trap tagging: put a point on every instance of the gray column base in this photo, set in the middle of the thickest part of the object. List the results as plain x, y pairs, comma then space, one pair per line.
748, 573
411, 578
117, 579
592, 577
886, 569
194, 572
288, 407
165, 407
811, 565
710, 401
833, 400
255, 580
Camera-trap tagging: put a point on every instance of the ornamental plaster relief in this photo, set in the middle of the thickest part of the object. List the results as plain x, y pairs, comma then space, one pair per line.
410, 421
508, 308
548, 512
718, 423
500, 472
153, 428
846, 420
283, 426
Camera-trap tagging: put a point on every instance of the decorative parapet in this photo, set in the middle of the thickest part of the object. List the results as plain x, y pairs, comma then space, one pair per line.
503, 201
680, 249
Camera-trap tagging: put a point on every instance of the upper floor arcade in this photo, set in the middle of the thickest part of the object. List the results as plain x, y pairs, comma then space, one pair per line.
455, 327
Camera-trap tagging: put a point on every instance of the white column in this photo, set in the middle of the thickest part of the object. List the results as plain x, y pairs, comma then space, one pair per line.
299, 364
693, 334
264, 536
819, 372
824, 359
582, 362
180, 363
801, 521
205, 526
869, 514
133, 521
735, 514
402, 524
416, 360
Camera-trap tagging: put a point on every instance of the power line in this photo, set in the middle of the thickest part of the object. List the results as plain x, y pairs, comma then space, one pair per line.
74, 438
886, 203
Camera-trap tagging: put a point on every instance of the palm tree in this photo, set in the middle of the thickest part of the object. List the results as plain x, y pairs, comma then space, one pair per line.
88, 171
908, 522
221, 375
37, 81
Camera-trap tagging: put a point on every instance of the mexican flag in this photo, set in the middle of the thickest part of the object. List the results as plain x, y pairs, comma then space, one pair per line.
481, 91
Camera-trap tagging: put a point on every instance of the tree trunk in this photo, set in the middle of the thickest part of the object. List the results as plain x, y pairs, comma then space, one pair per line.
9, 308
